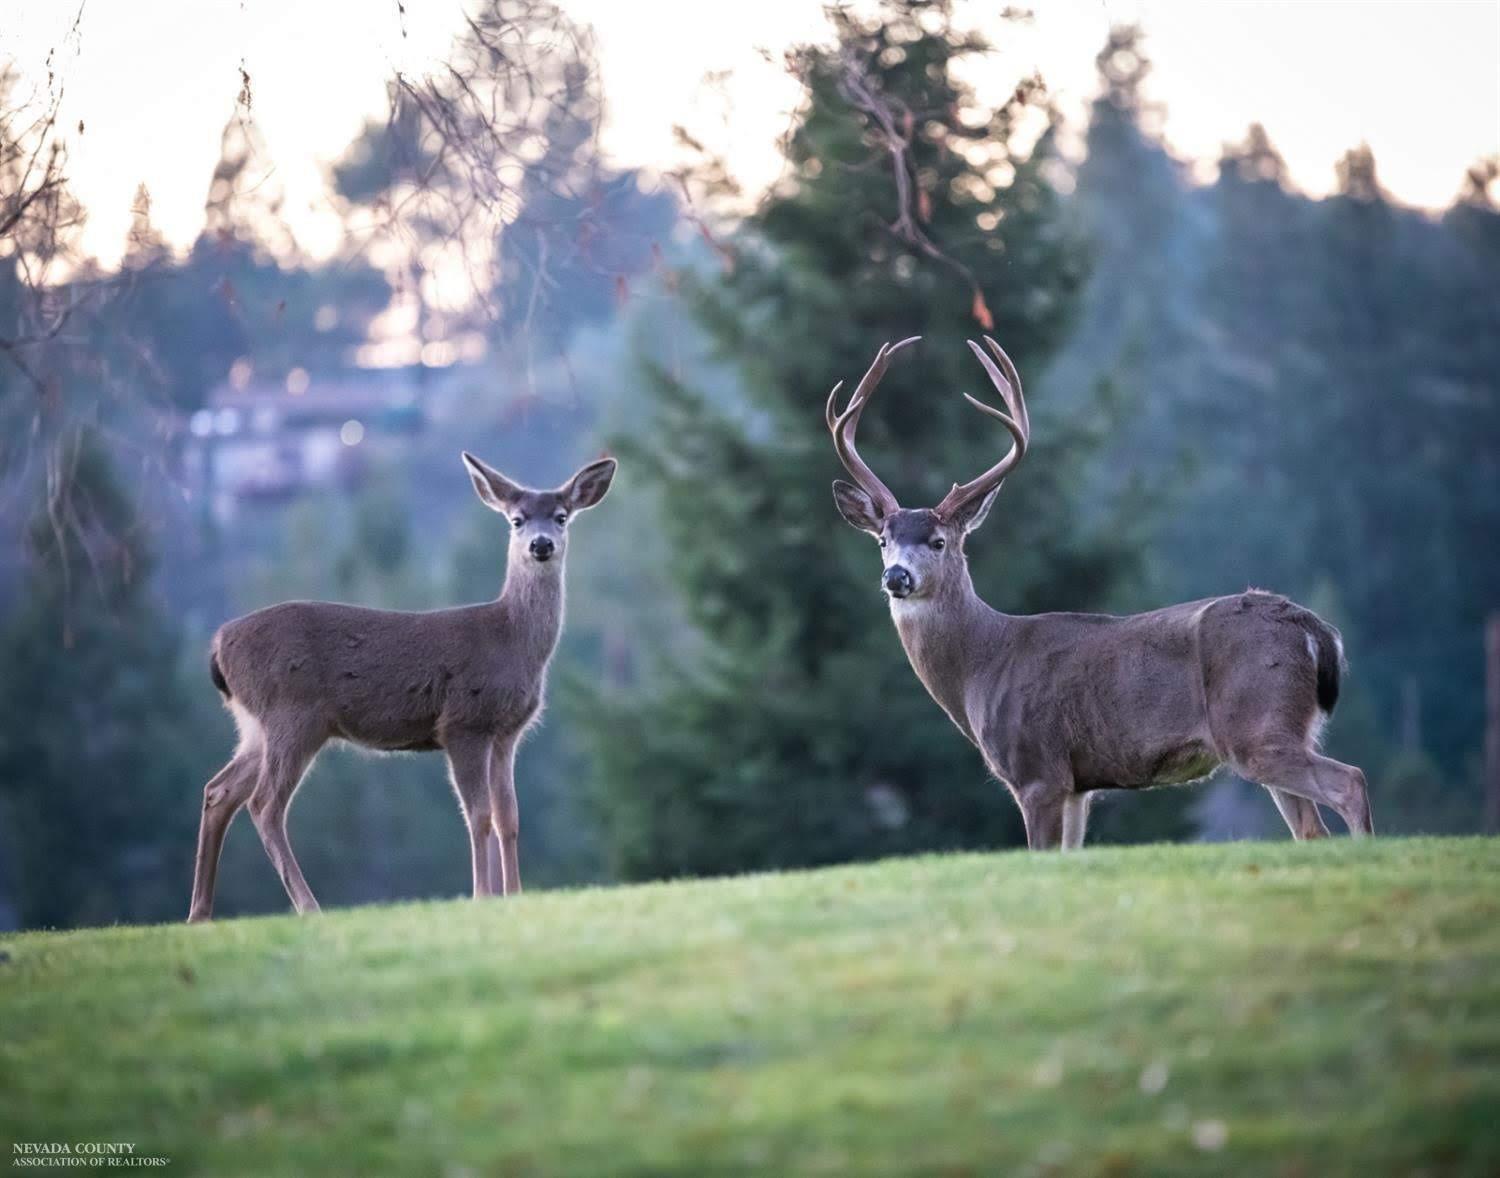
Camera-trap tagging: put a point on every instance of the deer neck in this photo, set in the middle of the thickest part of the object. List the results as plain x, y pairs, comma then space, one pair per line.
530, 607
945, 636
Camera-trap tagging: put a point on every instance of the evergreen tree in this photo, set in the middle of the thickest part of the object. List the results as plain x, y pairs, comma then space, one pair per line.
243, 293
583, 234
1130, 193
1345, 406
96, 744
799, 734
1408, 414
144, 244
1244, 412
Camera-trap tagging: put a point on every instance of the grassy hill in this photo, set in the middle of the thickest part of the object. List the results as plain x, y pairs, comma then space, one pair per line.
1313, 1009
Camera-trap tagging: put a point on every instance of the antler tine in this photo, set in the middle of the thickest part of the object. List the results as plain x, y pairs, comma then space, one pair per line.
830, 414
1017, 422
1013, 379
843, 425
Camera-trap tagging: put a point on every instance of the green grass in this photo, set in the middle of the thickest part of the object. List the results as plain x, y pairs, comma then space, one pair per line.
1285, 1009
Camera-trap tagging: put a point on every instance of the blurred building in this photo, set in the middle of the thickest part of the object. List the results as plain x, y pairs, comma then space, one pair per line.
261, 442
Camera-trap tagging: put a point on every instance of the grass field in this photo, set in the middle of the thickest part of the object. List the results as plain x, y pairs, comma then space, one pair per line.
1284, 1009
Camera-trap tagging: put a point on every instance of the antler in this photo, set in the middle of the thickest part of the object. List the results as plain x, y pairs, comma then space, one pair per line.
842, 425
1008, 383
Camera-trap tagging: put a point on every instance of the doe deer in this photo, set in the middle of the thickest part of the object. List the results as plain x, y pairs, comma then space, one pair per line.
468, 681
1064, 704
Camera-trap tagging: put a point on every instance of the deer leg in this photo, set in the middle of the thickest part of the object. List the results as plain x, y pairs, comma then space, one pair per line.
223, 796
1302, 817
507, 812
1298, 770
1075, 820
288, 753
468, 765
1042, 806
493, 870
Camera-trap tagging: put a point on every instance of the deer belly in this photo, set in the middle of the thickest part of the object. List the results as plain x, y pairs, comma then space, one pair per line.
1143, 768
394, 734
1191, 762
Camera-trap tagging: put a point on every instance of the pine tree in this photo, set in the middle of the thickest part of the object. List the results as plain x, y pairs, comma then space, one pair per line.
144, 245
96, 735
1253, 380
1408, 414
798, 734
584, 233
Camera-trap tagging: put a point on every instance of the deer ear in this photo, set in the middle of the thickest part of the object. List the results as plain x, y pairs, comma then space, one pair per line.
589, 485
971, 515
495, 490
857, 508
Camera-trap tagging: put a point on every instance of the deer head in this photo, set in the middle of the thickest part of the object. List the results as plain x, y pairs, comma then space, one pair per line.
923, 548
539, 519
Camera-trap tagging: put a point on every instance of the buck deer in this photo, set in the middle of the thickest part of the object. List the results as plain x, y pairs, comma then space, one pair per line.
468, 681
1062, 705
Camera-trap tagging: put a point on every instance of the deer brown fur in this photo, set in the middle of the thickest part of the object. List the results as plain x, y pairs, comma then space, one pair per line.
1062, 705
468, 681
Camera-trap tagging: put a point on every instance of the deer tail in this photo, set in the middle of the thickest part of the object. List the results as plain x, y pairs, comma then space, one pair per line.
216, 673
1329, 657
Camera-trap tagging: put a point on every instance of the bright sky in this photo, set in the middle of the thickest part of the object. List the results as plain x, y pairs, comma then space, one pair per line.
155, 80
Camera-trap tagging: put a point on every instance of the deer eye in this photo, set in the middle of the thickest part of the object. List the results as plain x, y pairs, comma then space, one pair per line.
517, 520
881, 539
939, 543
560, 518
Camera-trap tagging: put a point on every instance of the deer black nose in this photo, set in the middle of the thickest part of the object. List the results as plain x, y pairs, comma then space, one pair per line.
898, 582
542, 547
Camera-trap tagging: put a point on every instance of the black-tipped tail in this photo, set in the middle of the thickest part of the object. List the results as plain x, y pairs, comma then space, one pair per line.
1330, 666
217, 675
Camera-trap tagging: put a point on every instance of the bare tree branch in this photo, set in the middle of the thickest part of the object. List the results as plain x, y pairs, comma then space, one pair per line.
893, 123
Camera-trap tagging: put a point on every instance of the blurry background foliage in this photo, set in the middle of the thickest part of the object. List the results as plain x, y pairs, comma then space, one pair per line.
1232, 384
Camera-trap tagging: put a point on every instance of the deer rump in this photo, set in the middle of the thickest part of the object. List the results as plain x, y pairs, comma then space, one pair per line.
1159, 698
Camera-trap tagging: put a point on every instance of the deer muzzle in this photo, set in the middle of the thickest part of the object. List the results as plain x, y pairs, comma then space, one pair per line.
898, 582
